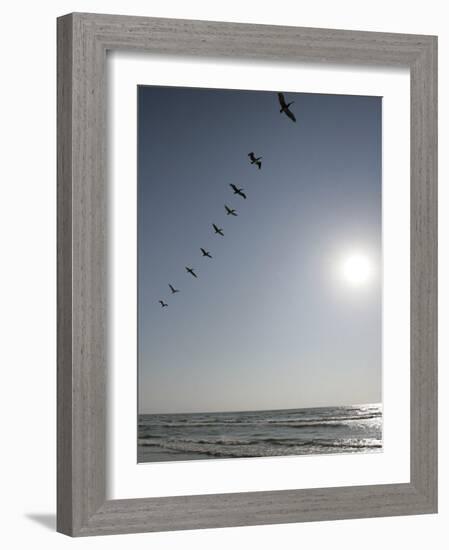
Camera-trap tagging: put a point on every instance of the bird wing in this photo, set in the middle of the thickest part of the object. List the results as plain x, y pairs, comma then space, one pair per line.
243, 194
227, 209
290, 115
251, 156
281, 99
233, 186
203, 251
259, 164
215, 227
171, 288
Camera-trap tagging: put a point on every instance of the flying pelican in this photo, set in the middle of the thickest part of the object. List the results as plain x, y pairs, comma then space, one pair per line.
255, 160
230, 211
163, 304
190, 270
173, 290
218, 230
205, 253
285, 107
237, 191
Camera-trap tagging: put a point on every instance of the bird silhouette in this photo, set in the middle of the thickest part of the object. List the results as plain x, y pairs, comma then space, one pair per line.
237, 191
255, 160
285, 107
206, 253
173, 290
230, 211
218, 230
190, 270
163, 304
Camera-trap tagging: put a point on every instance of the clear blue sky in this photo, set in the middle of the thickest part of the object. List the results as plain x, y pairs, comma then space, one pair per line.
268, 324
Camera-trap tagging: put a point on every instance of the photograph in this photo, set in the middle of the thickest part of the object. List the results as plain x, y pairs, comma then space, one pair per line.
259, 281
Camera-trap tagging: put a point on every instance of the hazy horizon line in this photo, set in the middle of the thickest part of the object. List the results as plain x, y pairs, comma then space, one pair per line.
262, 410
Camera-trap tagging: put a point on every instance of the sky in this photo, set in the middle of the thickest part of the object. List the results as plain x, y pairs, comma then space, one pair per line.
271, 322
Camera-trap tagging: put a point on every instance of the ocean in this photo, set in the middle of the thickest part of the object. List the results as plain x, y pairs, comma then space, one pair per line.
197, 436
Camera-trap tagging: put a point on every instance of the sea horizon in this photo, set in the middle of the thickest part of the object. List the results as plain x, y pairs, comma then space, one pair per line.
260, 433
236, 411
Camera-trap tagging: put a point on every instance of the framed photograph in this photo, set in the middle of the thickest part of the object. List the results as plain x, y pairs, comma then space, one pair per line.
247, 274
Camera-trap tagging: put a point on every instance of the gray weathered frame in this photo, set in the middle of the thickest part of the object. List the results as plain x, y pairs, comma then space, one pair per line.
83, 40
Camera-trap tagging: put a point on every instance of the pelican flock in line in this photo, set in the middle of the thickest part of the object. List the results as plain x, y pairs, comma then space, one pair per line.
230, 211
192, 272
237, 191
285, 108
206, 253
255, 160
218, 230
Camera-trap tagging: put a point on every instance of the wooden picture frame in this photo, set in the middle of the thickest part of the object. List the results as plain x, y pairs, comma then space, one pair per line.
83, 40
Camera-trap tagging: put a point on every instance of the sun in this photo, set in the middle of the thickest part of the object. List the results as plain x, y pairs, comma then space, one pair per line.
356, 269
